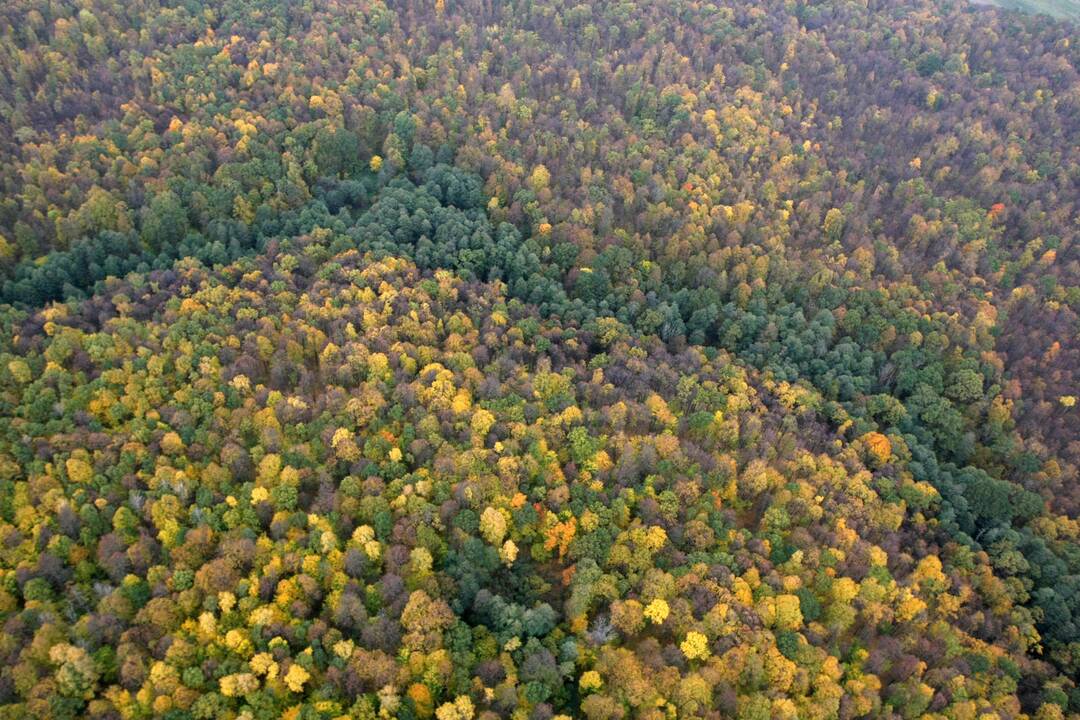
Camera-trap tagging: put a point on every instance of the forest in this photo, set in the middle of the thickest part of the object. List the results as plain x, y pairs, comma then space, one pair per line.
536, 359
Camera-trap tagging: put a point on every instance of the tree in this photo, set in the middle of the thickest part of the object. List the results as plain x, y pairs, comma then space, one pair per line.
833, 226
164, 222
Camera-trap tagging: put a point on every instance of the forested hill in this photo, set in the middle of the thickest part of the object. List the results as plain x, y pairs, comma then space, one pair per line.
538, 360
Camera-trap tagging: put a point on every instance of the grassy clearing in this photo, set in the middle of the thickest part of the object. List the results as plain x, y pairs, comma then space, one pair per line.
1068, 9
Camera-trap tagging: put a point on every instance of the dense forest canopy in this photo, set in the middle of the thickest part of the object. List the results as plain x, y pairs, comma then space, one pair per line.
538, 359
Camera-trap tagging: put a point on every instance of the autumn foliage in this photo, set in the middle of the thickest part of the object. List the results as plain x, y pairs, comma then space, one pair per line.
466, 360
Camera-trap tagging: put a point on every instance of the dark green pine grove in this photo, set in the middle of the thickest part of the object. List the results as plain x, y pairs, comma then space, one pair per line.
465, 360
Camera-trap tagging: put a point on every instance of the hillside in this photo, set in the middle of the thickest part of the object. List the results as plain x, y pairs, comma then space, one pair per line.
330, 474
478, 360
